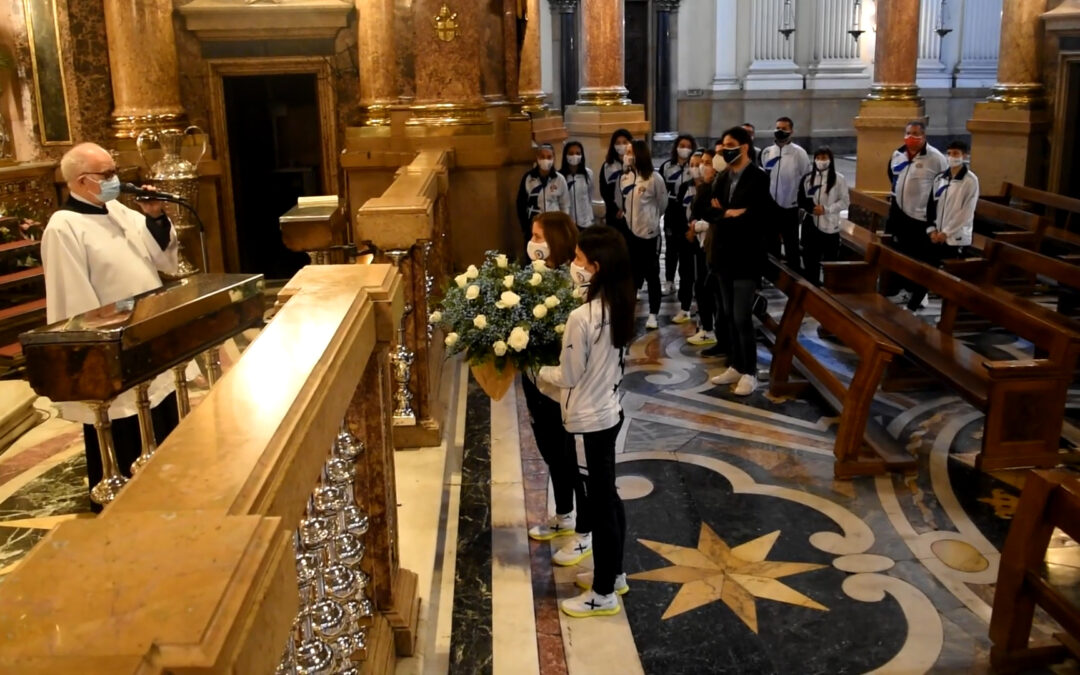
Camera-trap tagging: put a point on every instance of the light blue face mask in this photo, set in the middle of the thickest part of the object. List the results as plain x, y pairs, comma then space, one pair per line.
110, 189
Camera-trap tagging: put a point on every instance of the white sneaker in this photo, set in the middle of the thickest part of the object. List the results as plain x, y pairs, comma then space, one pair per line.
925, 301
702, 338
556, 526
585, 579
651, 323
574, 552
729, 376
590, 604
746, 386
666, 288
682, 317
900, 298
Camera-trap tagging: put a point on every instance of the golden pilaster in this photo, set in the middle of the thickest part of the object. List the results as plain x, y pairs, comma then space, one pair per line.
1007, 129
378, 59
143, 66
894, 97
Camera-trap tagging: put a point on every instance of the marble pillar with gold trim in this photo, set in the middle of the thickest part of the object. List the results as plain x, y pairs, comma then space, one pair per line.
603, 103
530, 72
1008, 129
894, 97
378, 60
143, 66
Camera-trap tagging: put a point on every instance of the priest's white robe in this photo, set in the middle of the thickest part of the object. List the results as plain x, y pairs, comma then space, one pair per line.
92, 260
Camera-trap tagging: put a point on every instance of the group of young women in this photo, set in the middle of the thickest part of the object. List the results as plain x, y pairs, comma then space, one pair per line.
715, 210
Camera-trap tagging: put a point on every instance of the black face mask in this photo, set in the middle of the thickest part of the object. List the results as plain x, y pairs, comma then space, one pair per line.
731, 155
781, 135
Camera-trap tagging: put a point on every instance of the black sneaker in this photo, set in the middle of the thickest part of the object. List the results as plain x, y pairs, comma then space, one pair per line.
714, 351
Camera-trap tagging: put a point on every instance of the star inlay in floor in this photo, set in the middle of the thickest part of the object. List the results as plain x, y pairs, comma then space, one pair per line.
735, 576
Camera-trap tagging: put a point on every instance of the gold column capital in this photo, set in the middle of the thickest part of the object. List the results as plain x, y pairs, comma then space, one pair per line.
1029, 94
894, 92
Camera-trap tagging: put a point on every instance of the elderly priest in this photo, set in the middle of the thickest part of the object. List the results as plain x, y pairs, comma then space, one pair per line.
96, 251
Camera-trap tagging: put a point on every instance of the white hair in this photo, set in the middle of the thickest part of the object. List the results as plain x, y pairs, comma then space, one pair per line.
75, 161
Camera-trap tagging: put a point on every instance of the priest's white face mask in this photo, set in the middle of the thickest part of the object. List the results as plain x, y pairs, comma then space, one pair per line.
107, 182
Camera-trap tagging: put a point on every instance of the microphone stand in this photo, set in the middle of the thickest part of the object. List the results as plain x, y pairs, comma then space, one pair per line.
172, 199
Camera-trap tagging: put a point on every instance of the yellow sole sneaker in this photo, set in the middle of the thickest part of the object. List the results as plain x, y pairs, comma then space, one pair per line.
552, 534
586, 585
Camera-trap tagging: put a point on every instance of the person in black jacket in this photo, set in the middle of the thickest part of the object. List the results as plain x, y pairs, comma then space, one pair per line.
741, 207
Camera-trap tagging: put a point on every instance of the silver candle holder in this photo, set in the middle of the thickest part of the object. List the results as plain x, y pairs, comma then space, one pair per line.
429, 280
146, 426
402, 359
112, 480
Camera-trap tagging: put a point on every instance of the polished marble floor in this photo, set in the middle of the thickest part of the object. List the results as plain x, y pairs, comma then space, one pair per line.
744, 554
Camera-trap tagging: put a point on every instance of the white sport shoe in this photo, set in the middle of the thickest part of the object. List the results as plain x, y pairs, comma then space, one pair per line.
682, 317
585, 579
702, 338
590, 604
651, 323
579, 548
900, 298
746, 386
729, 376
666, 287
556, 526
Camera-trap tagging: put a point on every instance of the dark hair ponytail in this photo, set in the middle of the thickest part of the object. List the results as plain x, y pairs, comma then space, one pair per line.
613, 282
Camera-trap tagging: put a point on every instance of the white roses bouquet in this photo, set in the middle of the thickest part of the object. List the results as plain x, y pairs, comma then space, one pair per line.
505, 318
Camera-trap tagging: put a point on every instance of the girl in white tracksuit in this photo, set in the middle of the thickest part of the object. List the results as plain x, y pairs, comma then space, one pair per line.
580, 183
644, 197
595, 342
823, 194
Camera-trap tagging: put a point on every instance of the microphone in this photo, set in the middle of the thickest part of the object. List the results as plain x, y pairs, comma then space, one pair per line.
144, 195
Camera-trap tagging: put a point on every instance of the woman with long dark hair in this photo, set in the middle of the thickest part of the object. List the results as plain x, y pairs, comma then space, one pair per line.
644, 199
554, 240
579, 180
597, 337
676, 174
610, 175
823, 194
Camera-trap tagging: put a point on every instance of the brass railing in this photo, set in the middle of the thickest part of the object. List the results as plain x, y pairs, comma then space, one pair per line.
192, 569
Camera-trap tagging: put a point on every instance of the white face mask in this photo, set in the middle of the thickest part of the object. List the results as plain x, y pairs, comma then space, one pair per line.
956, 162
822, 164
545, 164
579, 274
695, 172
573, 160
621, 148
537, 251
718, 163
684, 153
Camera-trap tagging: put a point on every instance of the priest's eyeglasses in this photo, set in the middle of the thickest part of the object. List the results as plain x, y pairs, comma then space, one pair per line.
104, 174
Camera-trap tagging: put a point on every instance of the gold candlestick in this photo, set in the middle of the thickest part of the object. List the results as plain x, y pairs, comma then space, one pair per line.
146, 427
183, 405
112, 480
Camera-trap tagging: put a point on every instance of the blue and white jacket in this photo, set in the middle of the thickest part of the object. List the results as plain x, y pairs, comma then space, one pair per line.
786, 165
951, 208
912, 179
644, 201
540, 194
582, 189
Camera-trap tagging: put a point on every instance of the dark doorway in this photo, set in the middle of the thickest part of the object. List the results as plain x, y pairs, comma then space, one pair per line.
275, 156
636, 43
1070, 158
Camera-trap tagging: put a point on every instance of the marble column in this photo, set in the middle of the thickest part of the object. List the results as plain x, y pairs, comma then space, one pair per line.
726, 73
565, 39
1008, 129
449, 69
144, 71
378, 60
894, 97
666, 106
530, 80
772, 64
603, 54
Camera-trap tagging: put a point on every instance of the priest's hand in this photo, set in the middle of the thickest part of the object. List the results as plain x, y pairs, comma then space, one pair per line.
151, 207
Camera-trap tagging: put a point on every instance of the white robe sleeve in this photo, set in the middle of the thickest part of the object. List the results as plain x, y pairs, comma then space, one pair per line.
68, 290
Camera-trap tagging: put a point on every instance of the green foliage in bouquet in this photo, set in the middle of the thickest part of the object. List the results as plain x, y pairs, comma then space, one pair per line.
506, 313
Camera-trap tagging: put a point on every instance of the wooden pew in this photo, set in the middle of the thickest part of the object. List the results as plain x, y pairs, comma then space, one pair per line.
1060, 213
1008, 224
862, 446
1024, 400
1051, 499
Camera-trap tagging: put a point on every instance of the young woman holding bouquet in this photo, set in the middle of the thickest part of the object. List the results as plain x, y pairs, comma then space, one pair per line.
554, 240
594, 346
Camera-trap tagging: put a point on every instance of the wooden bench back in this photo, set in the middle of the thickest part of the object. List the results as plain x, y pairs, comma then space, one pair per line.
988, 211
1000, 256
867, 210
1040, 331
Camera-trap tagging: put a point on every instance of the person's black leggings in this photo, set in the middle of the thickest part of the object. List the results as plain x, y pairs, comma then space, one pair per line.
738, 300
609, 517
817, 246
127, 441
694, 282
675, 242
643, 255
557, 448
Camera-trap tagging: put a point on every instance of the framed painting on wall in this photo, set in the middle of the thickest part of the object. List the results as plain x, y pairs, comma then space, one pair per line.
46, 55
